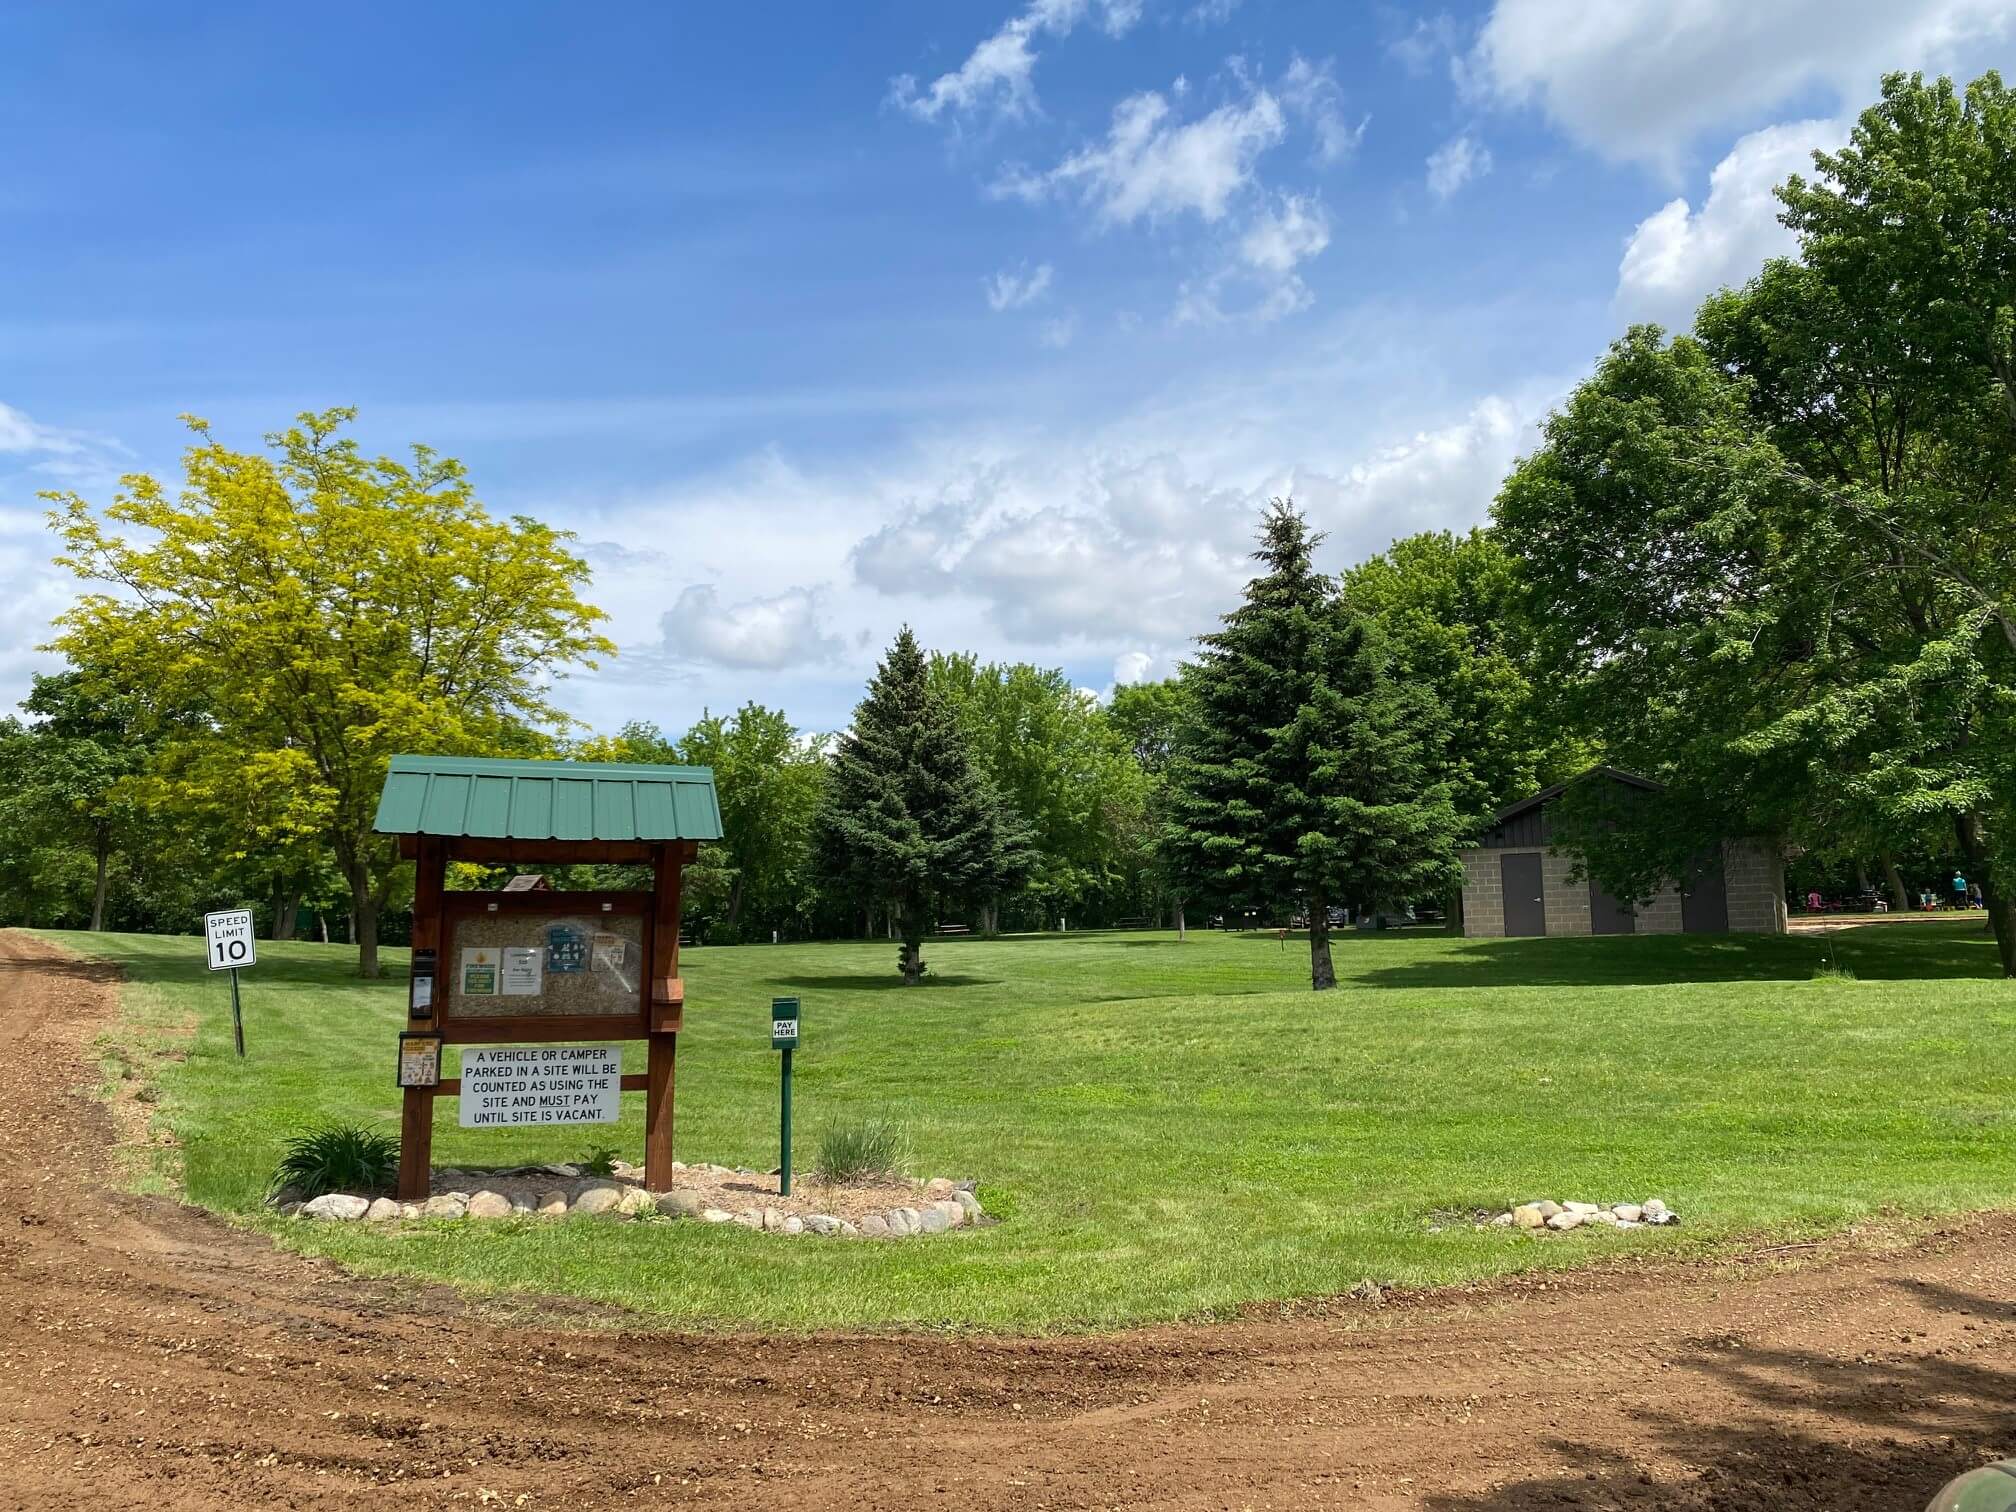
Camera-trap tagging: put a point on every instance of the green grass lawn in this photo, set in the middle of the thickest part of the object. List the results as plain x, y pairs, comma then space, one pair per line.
1171, 1130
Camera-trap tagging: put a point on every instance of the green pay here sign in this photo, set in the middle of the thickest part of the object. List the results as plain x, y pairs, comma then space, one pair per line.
784, 1023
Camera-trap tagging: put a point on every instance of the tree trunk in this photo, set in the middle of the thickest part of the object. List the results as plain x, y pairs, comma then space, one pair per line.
322, 919
364, 920
1322, 974
735, 906
1452, 915
1900, 901
104, 867
910, 960
1180, 935
286, 906
1995, 891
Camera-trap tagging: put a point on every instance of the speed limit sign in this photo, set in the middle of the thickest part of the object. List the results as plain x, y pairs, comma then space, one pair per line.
230, 935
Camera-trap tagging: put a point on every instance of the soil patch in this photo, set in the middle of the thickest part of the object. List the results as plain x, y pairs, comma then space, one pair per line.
154, 1356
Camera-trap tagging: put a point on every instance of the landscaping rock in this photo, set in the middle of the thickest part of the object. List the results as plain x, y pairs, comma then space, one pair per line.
938, 1187
409, 1210
967, 1200
1562, 1222
794, 1225
1586, 1209
772, 1220
678, 1205
339, 1206
875, 1226
1653, 1205
286, 1194
932, 1220
715, 1215
597, 1200
1604, 1217
487, 1204
1628, 1212
1528, 1216
291, 1209
848, 1231
904, 1221
824, 1224
561, 1170
955, 1215
750, 1218
381, 1210
1503, 1220
551, 1204
447, 1205
1547, 1209
636, 1202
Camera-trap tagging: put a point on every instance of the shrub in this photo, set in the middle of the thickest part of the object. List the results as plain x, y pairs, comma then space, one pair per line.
1833, 971
598, 1160
338, 1158
849, 1152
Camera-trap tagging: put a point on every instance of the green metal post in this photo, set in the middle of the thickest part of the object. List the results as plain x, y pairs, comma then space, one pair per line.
784, 1165
237, 1020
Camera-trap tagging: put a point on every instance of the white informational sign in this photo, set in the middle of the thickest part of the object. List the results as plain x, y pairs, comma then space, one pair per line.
505, 1086
522, 970
229, 938
783, 1029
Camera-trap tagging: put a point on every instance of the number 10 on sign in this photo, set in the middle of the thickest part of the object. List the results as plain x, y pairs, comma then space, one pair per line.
229, 945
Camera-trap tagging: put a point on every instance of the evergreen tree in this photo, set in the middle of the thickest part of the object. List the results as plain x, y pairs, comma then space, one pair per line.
907, 820
1303, 775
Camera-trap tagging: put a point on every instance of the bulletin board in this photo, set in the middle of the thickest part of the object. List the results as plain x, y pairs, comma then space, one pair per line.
510, 958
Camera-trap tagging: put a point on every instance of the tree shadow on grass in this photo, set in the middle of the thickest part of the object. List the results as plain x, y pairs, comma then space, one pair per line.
879, 982
1657, 960
1906, 1428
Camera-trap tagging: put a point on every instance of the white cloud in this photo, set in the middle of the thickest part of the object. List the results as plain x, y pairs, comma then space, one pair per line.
1151, 166
1679, 255
1641, 79
1312, 94
1013, 290
1131, 667
1282, 236
1432, 38
1211, 12
1455, 163
767, 634
998, 74
1279, 237
1059, 333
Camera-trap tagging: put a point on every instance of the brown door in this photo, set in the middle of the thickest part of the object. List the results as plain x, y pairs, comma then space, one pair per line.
1704, 901
1525, 901
1607, 915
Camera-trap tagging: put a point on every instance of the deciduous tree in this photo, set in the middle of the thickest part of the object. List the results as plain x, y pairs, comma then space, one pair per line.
316, 610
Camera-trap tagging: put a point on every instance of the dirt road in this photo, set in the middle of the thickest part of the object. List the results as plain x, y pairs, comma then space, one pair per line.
150, 1356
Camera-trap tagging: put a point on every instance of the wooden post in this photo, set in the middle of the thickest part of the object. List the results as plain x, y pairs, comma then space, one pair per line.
668, 1003
416, 1118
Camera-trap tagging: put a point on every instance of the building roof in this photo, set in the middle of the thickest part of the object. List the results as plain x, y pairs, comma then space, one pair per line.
496, 798
1548, 795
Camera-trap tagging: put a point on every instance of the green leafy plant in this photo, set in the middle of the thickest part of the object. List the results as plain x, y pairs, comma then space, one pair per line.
338, 1158
598, 1160
851, 1152
1833, 971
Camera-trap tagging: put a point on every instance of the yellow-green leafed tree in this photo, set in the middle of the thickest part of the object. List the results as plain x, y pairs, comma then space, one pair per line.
312, 611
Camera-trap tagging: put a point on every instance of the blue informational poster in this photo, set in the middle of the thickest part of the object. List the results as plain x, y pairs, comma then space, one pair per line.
566, 948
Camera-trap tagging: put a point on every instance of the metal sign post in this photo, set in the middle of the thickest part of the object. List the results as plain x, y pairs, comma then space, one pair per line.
784, 1037
230, 945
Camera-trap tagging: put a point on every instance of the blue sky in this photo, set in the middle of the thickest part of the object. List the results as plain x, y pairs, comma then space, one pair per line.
998, 318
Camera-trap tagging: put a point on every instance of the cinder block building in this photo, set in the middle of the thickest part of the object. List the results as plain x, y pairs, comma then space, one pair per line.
1516, 882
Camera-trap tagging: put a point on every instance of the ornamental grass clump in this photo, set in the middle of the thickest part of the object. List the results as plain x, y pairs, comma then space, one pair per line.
338, 1158
854, 1152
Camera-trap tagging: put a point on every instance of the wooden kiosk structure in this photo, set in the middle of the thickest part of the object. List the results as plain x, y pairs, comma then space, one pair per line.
543, 967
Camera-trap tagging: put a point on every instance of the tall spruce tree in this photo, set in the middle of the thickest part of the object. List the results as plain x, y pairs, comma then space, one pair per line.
1303, 775
908, 821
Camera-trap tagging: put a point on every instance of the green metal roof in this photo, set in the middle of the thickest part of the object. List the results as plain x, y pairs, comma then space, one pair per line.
547, 800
